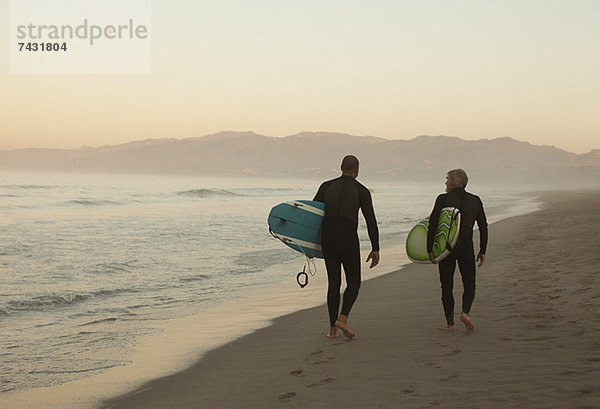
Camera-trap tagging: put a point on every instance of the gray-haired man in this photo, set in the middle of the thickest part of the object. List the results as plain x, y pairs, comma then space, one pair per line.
471, 209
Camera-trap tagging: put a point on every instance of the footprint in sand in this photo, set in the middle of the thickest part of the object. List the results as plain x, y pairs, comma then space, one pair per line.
317, 355
321, 383
541, 338
313, 355
510, 317
449, 378
286, 397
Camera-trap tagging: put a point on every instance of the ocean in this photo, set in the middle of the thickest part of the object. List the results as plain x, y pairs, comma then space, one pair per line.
93, 266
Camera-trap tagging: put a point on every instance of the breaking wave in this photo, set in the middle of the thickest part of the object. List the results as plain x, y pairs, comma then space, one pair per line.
87, 202
44, 302
203, 193
23, 187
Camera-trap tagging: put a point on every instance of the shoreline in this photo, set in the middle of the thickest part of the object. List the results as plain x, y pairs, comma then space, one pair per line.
536, 341
121, 381
219, 325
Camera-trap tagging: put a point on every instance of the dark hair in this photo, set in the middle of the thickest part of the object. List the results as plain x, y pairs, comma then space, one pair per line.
349, 163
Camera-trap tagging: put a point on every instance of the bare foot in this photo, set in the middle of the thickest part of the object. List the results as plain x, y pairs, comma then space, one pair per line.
464, 317
342, 323
333, 333
448, 328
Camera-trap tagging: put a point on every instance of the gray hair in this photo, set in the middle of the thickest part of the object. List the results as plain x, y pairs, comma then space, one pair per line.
459, 176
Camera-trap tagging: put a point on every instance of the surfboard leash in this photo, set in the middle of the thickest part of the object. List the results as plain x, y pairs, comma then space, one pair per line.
300, 275
453, 218
312, 269
309, 261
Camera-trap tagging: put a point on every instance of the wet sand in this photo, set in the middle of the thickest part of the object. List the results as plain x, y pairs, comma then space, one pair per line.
536, 343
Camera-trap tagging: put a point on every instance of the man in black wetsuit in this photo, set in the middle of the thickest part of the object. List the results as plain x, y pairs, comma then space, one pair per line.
343, 196
471, 210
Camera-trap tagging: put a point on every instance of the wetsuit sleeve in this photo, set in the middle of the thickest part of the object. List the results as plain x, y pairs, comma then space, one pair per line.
433, 221
483, 229
369, 214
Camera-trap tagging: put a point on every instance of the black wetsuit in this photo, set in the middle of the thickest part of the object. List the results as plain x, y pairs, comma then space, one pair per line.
343, 197
471, 209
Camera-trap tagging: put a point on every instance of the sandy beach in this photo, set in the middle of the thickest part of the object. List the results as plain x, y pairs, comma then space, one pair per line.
536, 342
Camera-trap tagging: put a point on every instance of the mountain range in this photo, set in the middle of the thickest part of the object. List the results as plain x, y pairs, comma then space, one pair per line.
318, 154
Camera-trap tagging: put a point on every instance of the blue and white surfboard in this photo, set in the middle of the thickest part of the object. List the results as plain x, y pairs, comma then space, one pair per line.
298, 225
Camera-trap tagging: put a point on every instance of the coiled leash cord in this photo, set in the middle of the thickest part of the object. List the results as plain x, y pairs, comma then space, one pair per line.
302, 276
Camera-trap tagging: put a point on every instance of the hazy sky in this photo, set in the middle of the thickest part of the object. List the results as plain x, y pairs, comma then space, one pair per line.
528, 69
